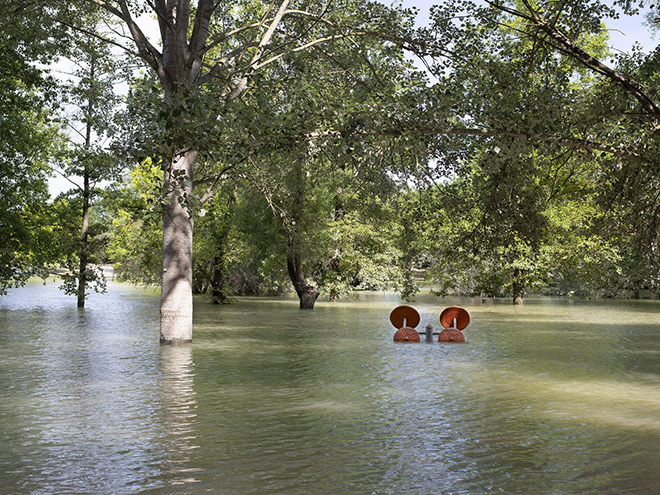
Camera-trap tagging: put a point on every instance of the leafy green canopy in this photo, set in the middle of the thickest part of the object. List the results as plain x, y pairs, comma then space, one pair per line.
27, 140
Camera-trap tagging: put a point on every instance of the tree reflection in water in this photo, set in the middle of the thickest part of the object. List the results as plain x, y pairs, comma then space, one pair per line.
179, 410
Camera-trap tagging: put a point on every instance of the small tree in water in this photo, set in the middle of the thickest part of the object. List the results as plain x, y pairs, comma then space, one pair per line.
91, 96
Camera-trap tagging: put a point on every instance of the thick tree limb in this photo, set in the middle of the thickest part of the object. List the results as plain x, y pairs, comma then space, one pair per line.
630, 85
198, 38
265, 40
146, 50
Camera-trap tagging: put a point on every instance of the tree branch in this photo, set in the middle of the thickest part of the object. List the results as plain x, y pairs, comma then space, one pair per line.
198, 39
265, 40
630, 85
306, 46
213, 181
146, 51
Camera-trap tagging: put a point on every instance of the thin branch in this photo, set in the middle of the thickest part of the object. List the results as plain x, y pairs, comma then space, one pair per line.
265, 40
318, 18
345, 69
225, 36
145, 49
213, 181
73, 128
222, 62
96, 35
306, 46
64, 176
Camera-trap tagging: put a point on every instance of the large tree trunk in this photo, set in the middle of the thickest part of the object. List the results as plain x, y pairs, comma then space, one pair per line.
306, 293
518, 286
180, 65
176, 303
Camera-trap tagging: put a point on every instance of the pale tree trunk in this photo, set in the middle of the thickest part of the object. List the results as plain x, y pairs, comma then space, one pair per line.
176, 303
184, 31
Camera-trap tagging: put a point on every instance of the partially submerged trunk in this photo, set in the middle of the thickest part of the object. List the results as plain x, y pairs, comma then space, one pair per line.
334, 266
290, 223
84, 248
176, 303
179, 65
219, 287
218, 295
87, 194
518, 286
306, 293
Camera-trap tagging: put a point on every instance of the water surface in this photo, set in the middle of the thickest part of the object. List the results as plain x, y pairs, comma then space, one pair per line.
556, 397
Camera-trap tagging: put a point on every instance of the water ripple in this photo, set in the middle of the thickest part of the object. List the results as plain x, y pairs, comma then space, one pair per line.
269, 399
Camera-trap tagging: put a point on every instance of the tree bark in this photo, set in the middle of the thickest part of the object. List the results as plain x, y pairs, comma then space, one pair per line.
176, 303
518, 286
84, 235
306, 293
184, 46
218, 282
218, 295
334, 265
84, 248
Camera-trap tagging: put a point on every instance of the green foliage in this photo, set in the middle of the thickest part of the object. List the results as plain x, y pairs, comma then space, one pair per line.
66, 240
365, 255
325, 150
28, 139
89, 99
136, 234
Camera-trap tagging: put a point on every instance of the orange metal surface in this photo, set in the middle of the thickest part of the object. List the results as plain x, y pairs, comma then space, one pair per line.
451, 335
404, 311
406, 334
455, 312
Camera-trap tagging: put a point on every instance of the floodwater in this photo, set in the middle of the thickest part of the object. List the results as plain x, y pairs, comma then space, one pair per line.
556, 397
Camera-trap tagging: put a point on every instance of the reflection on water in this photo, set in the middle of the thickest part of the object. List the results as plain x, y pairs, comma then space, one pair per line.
72, 393
178, 413
556, 397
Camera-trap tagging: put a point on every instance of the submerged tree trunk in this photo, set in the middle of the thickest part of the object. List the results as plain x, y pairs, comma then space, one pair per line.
176, 303
84, 236
518, 286
306, 293
291, 224
334, 265
218, 295
84, 247
184, 62
221, 228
